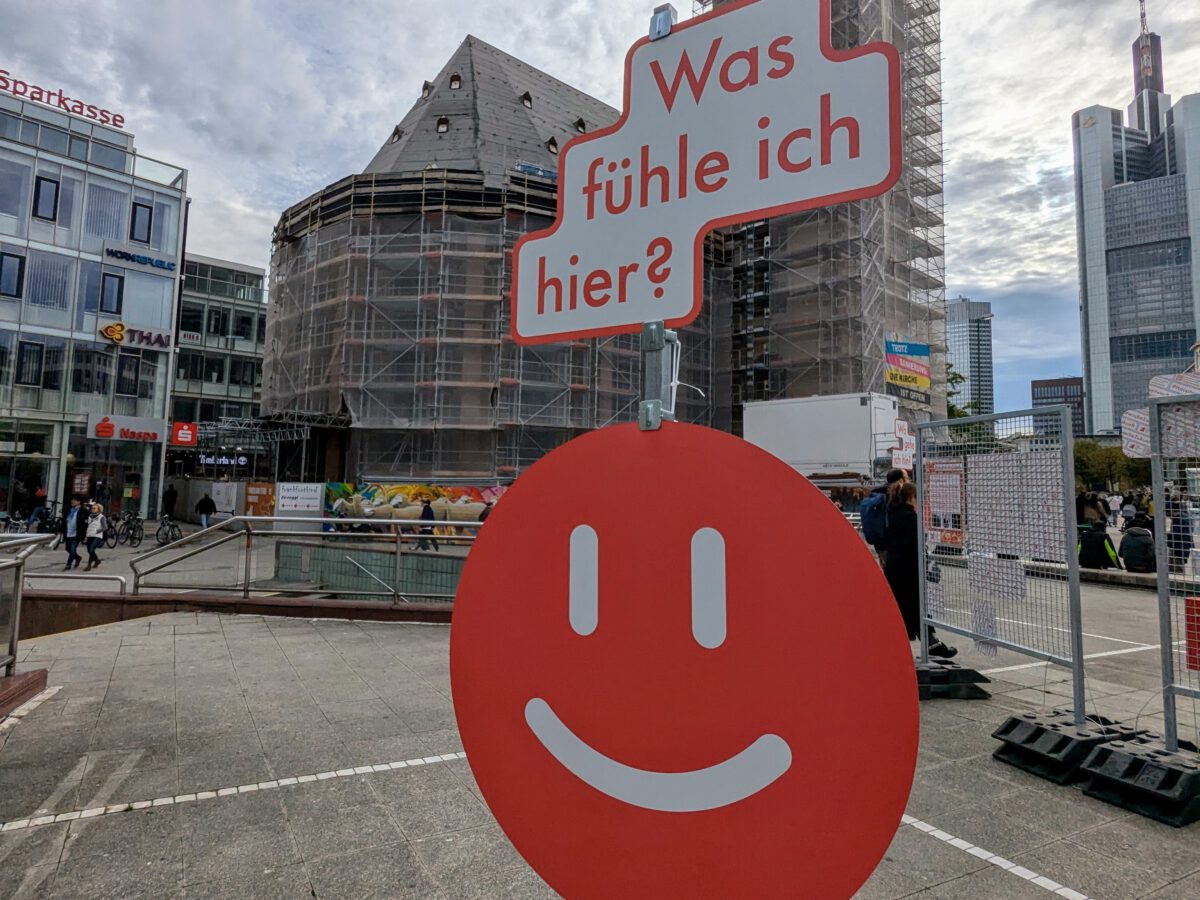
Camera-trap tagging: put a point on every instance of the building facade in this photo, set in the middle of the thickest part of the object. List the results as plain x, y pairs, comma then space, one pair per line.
390, 294
1137, 187
817, 296
1060, 392
91, 238
218, 367
969, 351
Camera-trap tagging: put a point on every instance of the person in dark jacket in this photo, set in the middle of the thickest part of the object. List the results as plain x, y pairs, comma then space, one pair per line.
903, 566
1137, 547
1180, 541
74, 528
426, 532
1096, 550
205, 508
169, 499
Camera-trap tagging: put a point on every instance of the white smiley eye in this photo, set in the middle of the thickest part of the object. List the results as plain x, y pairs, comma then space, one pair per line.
708, 585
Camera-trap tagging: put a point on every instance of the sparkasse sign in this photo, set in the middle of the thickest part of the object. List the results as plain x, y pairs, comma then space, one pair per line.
735, 116
59, 100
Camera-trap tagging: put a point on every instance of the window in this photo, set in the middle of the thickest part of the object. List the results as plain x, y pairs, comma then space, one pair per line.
79, 149
51, 277
552, 146
190, 367
191, 318
91, 370
54, 140
141, 222
262, 329
243, 326
581, 126
128, 365
104, 214
397, 133
112, 293
218, 321
527, 100
214, 369
426, 90
45, 199
12, 274
455, 81
443, 125
29, 363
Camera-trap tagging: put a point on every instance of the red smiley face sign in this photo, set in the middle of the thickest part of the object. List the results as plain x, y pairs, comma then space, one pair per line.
678, 672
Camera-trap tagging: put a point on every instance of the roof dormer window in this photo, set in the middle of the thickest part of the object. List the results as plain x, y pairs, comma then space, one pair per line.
527, 100
455, 81
397, 133
443, 125
552, 146
581, 126
426, 90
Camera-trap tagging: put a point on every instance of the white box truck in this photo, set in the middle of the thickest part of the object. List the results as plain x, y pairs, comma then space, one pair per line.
836, 441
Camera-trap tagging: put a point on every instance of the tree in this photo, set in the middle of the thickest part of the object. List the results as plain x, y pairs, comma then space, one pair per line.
1100, 466
954, 382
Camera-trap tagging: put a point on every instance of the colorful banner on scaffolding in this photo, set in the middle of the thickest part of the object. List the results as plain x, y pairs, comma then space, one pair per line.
909, 373
386, 502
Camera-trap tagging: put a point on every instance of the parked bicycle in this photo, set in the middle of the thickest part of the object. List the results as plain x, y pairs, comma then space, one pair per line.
168, 532
130, 530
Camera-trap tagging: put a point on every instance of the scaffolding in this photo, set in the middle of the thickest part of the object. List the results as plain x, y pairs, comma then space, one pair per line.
391, 306
816, 295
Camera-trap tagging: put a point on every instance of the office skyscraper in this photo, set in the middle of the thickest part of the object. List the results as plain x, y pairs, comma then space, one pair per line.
969, 351
1137, 190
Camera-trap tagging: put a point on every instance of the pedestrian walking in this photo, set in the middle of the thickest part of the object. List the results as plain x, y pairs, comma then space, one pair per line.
169, 499
903, 565
426, 532
873, 514
1096, 550
1137, 547
1115, 503
1129, 512
95, 534
204, 509
39, 509
74, 527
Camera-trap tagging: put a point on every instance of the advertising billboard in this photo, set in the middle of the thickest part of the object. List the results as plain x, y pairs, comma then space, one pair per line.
909, 374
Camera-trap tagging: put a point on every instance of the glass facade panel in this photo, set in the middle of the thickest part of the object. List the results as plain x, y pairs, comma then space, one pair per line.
16, 180
105, 213
149, 300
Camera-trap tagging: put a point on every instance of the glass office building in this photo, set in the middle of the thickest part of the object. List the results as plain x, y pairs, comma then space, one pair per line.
218, 369
91, 236
1137, 188
969, 350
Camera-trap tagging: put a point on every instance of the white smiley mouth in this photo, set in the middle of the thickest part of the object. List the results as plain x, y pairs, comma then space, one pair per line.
734, 780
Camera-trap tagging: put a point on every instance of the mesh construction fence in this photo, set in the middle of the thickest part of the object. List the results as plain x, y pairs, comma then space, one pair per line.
998, 534
1175, 433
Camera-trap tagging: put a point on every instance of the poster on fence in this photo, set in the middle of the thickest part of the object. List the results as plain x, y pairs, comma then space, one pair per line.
944, 502
1015, 504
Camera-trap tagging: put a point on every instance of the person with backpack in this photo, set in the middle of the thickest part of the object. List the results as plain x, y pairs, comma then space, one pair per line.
873, 514
903, 566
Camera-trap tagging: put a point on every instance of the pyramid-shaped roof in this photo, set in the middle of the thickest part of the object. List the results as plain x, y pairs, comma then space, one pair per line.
485, 112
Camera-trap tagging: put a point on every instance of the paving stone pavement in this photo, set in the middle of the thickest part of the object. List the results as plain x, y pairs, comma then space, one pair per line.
202, 755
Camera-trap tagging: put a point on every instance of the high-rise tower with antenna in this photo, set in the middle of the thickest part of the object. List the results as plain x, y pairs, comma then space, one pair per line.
1137, 188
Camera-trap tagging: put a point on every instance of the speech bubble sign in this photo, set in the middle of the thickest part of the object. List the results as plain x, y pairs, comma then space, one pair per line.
738, 115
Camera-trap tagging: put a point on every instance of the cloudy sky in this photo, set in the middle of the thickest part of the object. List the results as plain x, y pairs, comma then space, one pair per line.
266, 101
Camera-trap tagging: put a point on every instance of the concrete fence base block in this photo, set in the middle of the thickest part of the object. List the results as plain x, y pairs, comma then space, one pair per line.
1053, 746
942, 680
1143, 777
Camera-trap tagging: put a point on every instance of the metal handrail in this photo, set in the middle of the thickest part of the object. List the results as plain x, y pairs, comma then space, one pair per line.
51, 576
247, 530
27, 544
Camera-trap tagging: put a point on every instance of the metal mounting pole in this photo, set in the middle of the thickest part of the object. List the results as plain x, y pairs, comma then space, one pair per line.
660, 367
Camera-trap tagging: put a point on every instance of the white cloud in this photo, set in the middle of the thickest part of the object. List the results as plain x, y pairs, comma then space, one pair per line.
265, 102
